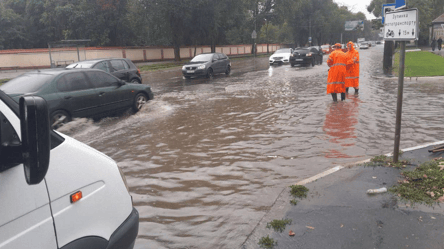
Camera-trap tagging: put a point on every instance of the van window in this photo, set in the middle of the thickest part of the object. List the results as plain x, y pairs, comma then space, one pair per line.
10, 149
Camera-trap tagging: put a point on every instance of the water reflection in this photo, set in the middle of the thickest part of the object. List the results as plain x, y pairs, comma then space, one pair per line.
339, 125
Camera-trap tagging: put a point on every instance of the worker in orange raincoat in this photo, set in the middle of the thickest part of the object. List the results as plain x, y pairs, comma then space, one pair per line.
352, 74
336, 74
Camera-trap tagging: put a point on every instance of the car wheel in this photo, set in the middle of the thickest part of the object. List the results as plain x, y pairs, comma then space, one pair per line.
136, 81
322, 60
187, 77
139, 101
210, 73
292, 65
313, 62
59, 118
228, 71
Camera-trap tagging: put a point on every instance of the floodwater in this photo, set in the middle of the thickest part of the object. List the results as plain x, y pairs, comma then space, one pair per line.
206, 159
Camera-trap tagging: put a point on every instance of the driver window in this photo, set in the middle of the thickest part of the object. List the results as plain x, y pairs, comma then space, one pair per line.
102, 66
10, 150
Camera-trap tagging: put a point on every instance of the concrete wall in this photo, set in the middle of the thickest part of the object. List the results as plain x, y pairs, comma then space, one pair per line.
39, 58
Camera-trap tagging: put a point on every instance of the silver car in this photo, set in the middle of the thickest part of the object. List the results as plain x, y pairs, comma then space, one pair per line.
207, 65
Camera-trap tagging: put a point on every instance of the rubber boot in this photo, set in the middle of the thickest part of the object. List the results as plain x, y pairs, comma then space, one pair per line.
346, 89
335, 97
356, 90
342, 96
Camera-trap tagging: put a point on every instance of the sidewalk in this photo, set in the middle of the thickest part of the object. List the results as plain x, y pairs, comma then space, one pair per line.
338, 213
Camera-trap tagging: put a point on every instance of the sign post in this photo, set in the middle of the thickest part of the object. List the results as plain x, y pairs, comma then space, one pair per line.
254, 36
400, 26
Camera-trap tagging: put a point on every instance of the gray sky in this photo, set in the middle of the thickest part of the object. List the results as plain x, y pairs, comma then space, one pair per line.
356, 6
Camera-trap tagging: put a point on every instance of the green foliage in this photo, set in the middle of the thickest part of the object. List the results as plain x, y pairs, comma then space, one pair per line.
294, 202
424, 185
2, 81
298, 191
267, 242
386, 161
279, 225
421, 63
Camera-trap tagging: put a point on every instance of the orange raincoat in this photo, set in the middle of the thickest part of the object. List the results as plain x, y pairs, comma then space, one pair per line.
336, 75
352, 74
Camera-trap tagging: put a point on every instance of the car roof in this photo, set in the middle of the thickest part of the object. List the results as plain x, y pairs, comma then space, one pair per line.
57, 71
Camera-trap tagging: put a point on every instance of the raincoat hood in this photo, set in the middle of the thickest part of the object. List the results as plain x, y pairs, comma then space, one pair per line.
352, 45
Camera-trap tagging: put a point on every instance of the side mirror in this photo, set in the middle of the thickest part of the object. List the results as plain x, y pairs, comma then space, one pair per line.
36, 138
121, 83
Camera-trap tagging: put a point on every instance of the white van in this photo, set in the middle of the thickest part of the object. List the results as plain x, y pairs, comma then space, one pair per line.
56, 192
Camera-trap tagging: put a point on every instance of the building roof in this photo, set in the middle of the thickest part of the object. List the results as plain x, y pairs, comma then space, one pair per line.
439, 19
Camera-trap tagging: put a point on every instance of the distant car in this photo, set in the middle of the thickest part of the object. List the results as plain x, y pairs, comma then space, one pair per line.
306, 56
326, 49
74, 93
281, 56
207, 65
363, 45
122, 68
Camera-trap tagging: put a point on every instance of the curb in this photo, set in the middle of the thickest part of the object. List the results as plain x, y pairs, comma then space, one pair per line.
339, 167
406, 78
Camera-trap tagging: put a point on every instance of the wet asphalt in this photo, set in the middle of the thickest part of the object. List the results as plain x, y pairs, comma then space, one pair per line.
338, 213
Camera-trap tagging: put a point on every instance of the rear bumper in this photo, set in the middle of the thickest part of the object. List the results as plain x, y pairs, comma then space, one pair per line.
125, 235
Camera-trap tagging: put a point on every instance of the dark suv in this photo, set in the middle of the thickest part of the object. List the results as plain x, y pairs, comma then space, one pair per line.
207, 65
123, 69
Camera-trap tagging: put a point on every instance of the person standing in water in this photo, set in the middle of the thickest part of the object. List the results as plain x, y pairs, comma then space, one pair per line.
352, 73
336, 74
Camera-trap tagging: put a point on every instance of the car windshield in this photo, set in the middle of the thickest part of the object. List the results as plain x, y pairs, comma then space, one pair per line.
81, 65
283, 50
325, 46
26, 83
202, 57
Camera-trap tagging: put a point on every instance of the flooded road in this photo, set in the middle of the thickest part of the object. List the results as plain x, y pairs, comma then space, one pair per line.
206, 159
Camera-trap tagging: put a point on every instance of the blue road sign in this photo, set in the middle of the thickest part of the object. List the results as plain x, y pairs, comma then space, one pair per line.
400, 4
387, 8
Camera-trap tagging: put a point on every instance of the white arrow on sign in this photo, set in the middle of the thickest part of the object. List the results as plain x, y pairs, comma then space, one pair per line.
254, 34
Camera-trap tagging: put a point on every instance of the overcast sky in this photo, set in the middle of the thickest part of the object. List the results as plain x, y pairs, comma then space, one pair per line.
356, 6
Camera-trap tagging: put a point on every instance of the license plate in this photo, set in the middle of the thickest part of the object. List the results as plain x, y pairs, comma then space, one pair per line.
190, 71
299, 59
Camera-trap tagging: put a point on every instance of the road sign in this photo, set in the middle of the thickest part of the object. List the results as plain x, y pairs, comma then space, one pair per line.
386, 8
309, 39
401, 25
354, 25
400, 4
254, 35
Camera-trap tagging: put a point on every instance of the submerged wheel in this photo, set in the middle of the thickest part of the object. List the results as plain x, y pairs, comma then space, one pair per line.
59, 118
139, 101
136, 81
210, 73
228, 71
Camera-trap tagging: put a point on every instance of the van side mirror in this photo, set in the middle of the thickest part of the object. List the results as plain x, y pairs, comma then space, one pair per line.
36, 138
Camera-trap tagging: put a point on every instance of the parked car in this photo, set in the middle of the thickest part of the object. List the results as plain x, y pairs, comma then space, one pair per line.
281, 56
326, 49
123, 69
207, 65
306, 56
74, 93
57, 192
363, 45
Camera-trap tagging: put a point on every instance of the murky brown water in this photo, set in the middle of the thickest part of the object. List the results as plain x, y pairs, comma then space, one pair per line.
206, 159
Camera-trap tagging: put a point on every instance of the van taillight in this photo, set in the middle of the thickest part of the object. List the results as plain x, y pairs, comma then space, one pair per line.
138, 71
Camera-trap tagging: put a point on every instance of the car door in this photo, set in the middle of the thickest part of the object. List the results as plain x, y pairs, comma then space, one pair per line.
224, 62
113, 95
219, 63
77, 95
119, 69
25, 220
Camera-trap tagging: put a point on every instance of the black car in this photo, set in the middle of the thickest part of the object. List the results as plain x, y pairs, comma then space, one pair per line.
207, 65
123, 69
306, 56
74, 93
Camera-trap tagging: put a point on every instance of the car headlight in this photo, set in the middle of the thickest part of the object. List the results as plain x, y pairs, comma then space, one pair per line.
201, 67
291, 55
183, 68
309, 54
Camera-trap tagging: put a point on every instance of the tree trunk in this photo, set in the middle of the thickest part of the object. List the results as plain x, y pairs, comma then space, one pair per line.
176, 52
388, 56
